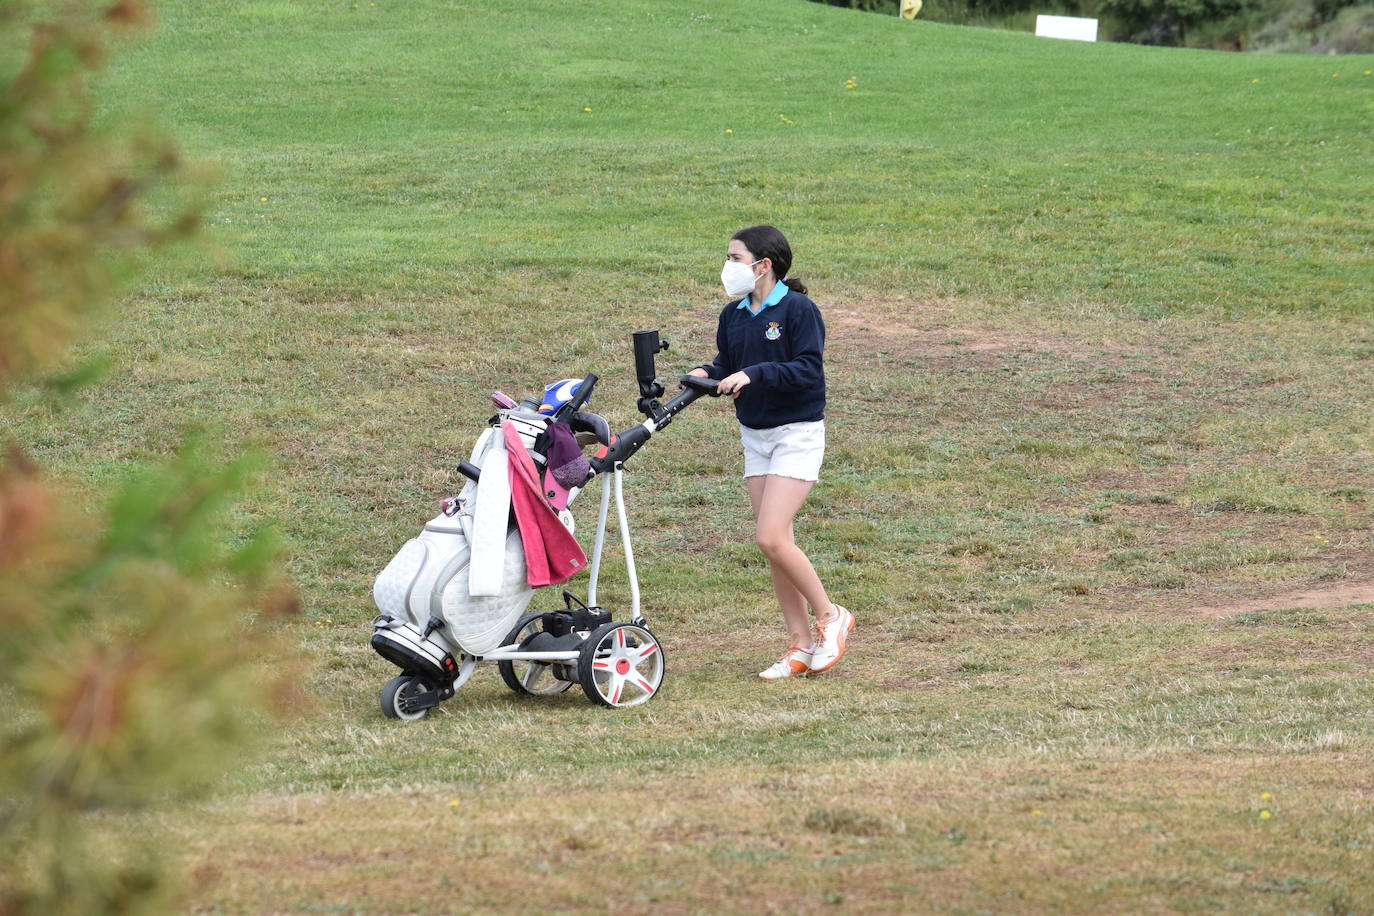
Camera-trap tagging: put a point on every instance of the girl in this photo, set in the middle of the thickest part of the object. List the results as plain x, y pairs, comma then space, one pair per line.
769, 360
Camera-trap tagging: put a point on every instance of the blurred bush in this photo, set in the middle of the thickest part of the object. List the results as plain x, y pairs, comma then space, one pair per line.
139, 652
1314, 26
1303, 29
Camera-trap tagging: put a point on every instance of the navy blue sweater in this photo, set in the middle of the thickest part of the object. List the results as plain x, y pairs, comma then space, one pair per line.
780, 349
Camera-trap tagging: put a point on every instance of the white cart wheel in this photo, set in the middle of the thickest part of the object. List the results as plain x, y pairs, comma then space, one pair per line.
397, 691
536, 678
621, 664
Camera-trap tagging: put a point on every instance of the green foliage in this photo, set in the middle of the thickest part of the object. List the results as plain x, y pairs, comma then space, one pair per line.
872, 6
1316, 29
1167, 21
71, 197
1342, 26
126, 654
129, 668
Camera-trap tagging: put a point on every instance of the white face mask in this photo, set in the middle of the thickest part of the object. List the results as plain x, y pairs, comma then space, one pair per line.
738, 278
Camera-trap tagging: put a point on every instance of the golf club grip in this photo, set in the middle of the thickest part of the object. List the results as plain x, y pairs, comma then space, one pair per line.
584, 393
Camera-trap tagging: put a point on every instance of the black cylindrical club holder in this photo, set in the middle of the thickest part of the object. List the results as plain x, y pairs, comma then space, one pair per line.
647, 345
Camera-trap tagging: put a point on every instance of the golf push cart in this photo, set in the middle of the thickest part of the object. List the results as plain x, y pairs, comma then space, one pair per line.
455, 596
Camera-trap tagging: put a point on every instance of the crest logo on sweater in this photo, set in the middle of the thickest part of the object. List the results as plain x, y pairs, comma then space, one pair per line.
773, 332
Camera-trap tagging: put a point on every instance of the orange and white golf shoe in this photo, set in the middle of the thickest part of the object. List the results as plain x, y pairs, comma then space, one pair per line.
831, 636
795, 662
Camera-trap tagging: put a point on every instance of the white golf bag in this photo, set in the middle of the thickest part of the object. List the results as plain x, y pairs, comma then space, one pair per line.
460, 585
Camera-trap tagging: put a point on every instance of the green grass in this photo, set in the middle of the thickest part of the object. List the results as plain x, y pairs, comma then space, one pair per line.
966, 162
1100, 361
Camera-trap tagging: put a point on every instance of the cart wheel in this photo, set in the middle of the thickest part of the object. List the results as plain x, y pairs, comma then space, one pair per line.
621, 664
397, 691
535, 678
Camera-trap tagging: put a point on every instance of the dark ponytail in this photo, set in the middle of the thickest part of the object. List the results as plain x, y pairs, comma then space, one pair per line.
769, 242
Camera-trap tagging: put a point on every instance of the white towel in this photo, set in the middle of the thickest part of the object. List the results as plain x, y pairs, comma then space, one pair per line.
491, 518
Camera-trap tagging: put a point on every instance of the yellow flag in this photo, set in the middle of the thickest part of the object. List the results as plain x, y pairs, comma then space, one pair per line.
910, 8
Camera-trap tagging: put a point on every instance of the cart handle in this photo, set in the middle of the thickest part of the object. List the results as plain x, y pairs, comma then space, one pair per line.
633, 439
703, 385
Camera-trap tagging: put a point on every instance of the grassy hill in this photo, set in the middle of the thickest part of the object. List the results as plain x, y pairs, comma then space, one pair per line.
1100, 358
441, 148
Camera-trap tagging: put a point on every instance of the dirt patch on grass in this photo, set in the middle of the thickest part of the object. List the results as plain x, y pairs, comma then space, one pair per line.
1332, 596
907, 328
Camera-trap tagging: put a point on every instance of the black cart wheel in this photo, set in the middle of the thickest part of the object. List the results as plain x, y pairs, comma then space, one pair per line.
534, 678
621, 664
398, 691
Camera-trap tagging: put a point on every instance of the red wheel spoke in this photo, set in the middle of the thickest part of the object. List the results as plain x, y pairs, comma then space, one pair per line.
626, 656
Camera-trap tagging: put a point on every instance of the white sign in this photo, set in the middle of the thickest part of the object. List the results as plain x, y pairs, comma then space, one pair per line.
1066, 27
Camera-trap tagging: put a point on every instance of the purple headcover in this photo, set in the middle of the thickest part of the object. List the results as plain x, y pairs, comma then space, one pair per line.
567, 467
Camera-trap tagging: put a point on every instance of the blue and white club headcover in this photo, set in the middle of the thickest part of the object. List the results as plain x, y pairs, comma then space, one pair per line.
558, 394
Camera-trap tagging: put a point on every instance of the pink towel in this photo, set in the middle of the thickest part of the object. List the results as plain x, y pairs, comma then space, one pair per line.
552, 554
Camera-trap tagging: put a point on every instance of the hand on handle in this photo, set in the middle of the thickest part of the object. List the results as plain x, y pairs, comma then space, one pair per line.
732, 384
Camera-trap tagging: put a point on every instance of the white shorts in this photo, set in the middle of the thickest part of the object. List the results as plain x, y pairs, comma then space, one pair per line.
791, 450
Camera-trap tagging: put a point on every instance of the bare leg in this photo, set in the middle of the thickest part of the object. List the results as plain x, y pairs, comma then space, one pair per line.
792, 602
778, 500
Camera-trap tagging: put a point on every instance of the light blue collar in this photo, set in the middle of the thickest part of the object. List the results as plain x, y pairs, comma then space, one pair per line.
779, 290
